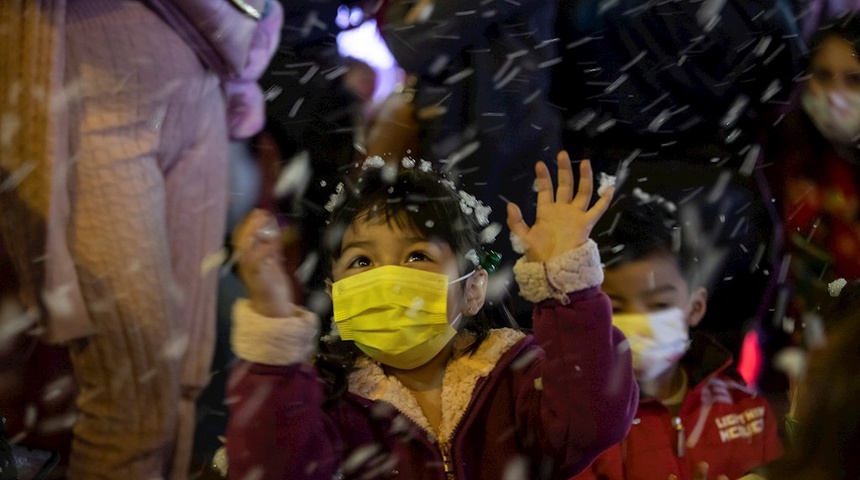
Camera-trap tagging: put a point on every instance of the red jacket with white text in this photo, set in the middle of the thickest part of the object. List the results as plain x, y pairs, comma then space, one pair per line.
721, 422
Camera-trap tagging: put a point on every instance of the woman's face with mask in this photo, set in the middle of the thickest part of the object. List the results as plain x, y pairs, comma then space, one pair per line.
832, 96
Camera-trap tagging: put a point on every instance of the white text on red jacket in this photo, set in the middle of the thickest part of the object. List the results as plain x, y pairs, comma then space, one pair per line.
741, 425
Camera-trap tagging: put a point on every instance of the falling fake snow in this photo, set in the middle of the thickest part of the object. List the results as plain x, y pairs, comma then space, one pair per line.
472, 256
606, 181
835, 287
517, 244
489, 234
471, 205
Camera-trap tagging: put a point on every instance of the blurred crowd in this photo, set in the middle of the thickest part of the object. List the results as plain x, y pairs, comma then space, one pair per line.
135, 137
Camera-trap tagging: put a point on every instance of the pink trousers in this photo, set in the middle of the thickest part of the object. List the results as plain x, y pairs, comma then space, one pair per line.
148, 183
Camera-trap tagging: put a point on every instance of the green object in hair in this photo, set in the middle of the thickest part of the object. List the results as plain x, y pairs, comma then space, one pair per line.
491, 261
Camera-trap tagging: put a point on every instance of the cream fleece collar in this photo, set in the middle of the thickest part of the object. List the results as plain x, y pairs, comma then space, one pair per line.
458, 384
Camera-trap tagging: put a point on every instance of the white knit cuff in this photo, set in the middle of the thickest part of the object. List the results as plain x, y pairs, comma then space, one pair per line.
273, 341
571, 271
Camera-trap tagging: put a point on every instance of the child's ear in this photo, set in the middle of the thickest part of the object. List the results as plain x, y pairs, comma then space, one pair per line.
698, 306
476, 292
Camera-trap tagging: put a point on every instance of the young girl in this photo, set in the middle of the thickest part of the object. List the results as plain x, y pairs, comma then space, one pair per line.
418, 387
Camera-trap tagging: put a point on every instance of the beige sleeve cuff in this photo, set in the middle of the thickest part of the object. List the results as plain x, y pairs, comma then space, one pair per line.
571, 271
273, 341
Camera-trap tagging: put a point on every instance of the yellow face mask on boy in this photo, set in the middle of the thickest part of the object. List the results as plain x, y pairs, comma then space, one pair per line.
396, 315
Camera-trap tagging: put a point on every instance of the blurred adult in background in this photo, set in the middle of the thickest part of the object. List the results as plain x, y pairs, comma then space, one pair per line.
692, 83
480, 96
116, 117
811, 159
814, 164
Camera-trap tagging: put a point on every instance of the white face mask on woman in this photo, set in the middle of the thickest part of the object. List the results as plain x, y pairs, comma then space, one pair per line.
835, 114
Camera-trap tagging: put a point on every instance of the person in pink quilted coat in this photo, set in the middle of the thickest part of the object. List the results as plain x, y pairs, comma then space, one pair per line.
117, 115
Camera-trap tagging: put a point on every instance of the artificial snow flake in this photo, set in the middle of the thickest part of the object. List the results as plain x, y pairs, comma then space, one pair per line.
295, 176
835, 287
472, 256
471, 205
517, 244
647, 198
334, 198
373, 162
489, 234
606, 181
59, 300
212, 261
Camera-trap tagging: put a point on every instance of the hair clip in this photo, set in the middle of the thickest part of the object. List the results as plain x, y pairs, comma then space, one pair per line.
491, 261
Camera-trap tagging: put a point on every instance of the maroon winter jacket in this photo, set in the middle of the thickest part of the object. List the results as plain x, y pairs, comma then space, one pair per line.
544, 405
721, 422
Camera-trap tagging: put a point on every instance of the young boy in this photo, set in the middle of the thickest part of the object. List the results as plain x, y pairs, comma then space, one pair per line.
693, 409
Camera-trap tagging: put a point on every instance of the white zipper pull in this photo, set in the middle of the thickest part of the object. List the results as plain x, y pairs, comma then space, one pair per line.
679, 427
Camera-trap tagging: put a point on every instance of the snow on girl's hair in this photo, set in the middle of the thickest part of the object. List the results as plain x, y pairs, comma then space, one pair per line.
411, 196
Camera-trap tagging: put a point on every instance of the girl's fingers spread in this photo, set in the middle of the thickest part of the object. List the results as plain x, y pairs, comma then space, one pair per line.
565, 179
544, 183
586, 186
515, 221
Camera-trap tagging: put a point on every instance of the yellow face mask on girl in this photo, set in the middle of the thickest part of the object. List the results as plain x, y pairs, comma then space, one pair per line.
396, 315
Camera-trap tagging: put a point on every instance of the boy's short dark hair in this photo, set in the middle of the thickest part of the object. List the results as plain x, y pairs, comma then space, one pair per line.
639, 225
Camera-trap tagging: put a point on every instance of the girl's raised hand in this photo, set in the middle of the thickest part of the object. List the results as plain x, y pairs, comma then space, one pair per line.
256, 246
563, 222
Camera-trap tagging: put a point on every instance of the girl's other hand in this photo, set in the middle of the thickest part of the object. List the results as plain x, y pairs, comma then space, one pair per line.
257, 244
563, 222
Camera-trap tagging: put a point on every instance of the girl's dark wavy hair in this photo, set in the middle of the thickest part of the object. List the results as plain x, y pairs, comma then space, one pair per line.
413, 199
